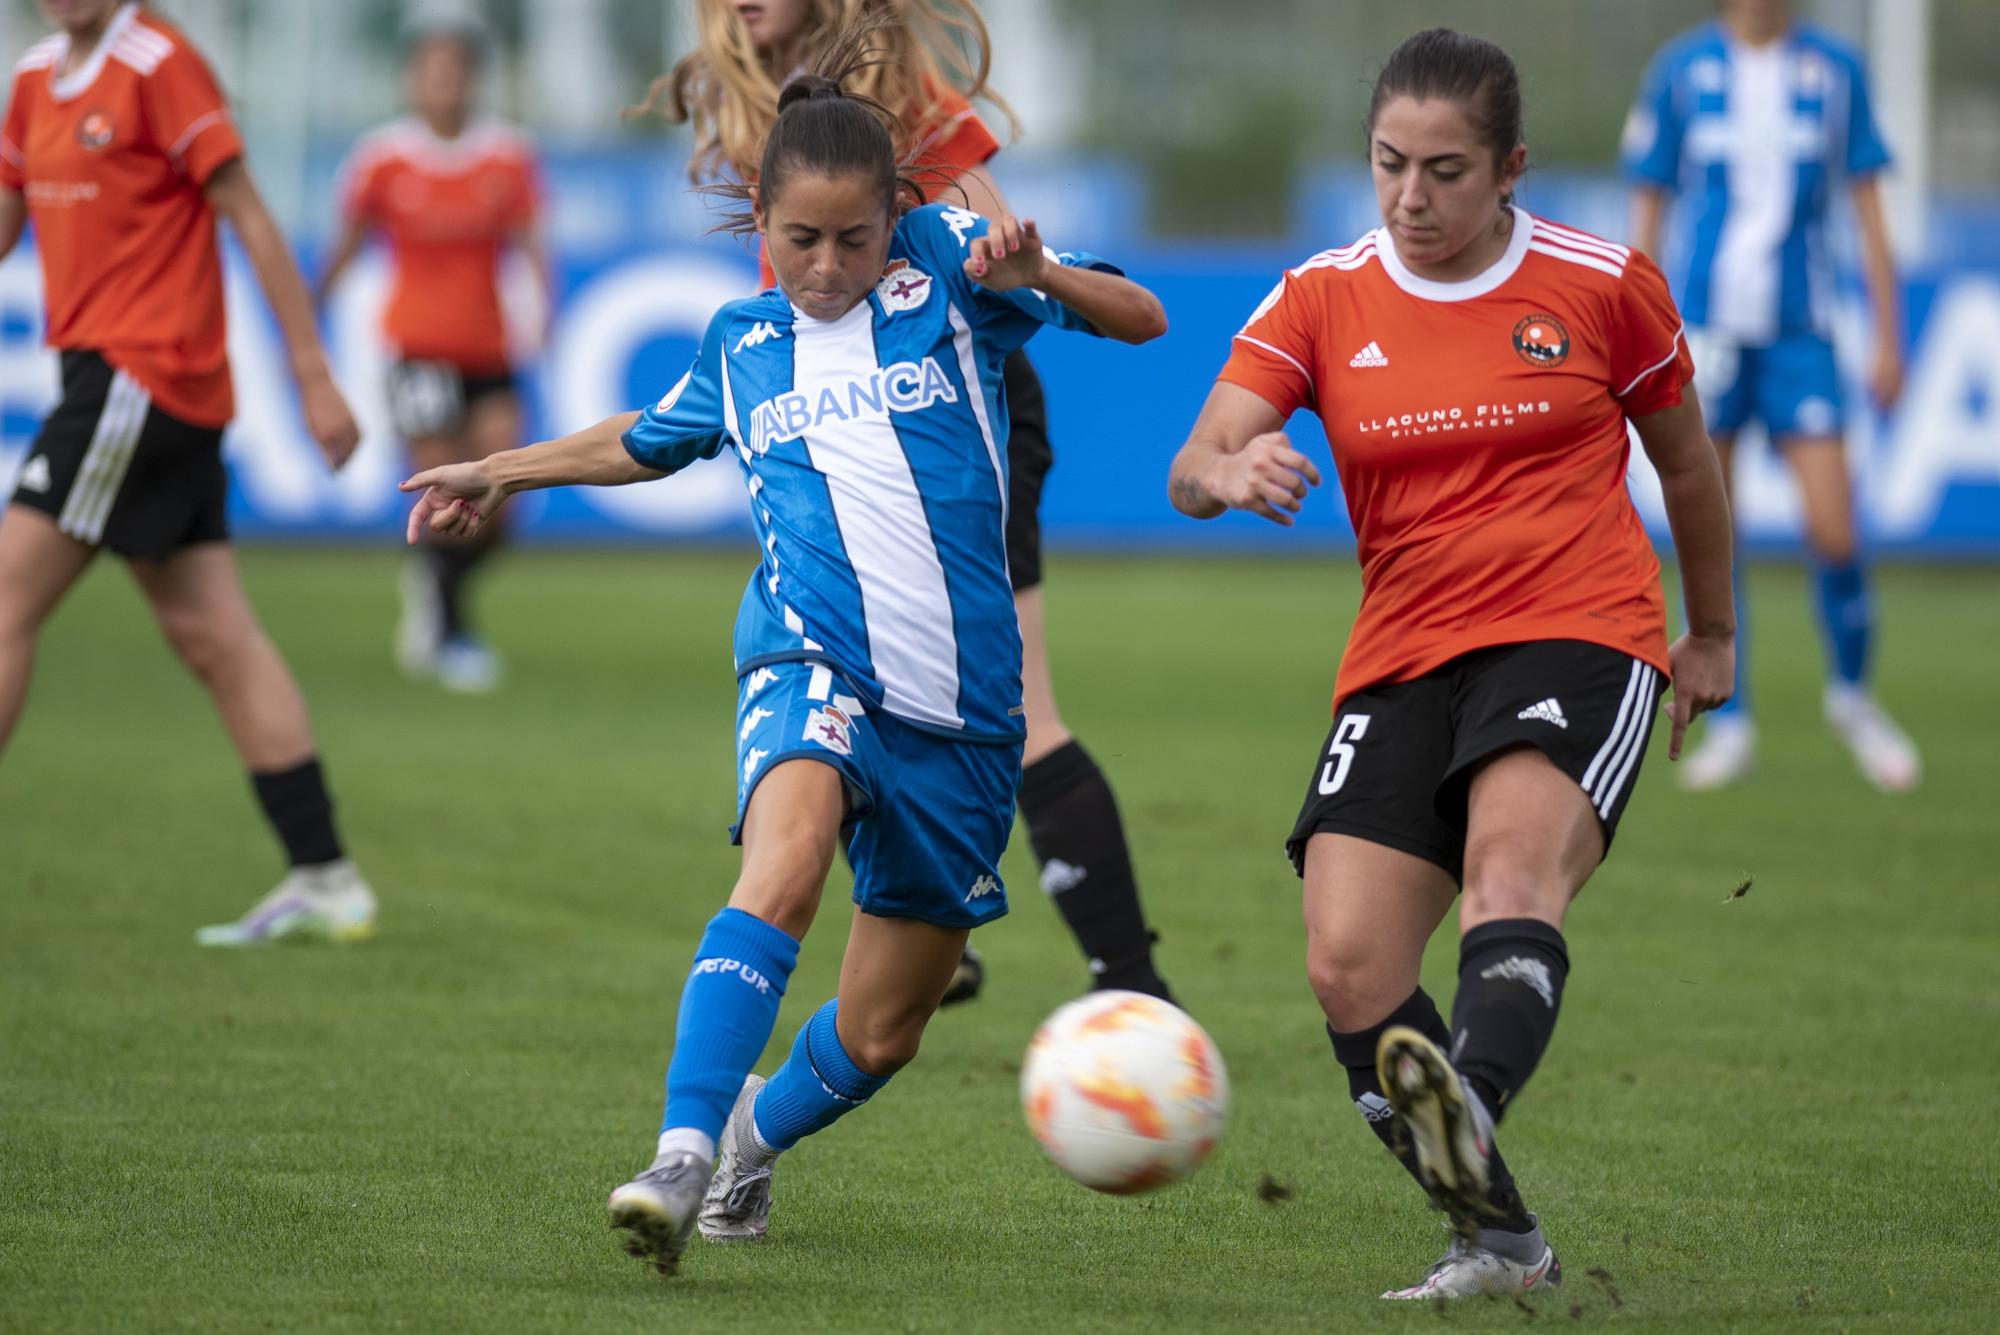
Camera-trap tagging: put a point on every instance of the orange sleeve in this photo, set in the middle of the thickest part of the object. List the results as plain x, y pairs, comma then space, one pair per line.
13, 162
188, 116
953, 137
528, 192
1649, 355
1274, 354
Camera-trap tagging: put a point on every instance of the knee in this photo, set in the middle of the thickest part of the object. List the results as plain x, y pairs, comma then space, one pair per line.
1832, 541
885, 1048
202, 642
1508, 876
1354, 989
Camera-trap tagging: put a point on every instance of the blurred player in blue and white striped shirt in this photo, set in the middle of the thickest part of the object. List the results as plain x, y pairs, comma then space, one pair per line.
878, 655
1753, 121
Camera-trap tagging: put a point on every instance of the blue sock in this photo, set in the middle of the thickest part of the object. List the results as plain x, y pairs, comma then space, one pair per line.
818, 1085
1739, 700
728, 1009
1846, 619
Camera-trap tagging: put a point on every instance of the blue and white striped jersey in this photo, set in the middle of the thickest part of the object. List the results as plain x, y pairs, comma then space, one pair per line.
1753, 139
874, 447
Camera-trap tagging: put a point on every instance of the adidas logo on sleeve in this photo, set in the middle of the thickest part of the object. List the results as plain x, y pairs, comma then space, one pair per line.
1372, 355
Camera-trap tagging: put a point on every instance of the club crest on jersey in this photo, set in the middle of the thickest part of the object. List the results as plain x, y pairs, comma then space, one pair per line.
903, 288
95, 131
1541, 340
832, 729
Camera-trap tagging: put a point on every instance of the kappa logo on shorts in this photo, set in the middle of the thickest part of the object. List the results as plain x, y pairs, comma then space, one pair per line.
984, 886
95, 131
832, 729
1541, 340
903, 288
35, 475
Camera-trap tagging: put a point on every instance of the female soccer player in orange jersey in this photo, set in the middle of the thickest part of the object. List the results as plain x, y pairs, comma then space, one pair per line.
936, 58
119, 145
450, 193
1475, 368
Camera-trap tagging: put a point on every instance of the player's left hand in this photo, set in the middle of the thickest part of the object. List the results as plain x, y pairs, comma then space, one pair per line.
457, 500
1704, 669
1010, 255
329, 419
1885, 374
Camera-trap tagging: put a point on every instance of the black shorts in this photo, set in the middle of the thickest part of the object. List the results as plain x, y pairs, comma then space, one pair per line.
1396, 768
431, 398
1028, 460
116, 470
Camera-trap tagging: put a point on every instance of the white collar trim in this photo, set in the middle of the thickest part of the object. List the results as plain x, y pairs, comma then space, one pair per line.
1431, 289
78, 81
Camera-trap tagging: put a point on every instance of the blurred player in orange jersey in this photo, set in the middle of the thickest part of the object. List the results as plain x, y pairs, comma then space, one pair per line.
119, 146
1475, 368
936, 61
450, 194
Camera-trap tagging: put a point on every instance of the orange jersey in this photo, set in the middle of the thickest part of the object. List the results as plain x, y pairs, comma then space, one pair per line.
949, 142
1479, 431
112, 156
446, 206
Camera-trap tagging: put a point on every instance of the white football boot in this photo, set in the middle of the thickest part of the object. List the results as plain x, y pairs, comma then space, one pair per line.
657, 1209
329, 902
1492, 1264
737, 1207
1449, 1128
1882, 751
1725, 755
469, 666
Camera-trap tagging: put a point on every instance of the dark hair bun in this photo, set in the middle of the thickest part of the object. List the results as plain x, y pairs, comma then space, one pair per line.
806, 87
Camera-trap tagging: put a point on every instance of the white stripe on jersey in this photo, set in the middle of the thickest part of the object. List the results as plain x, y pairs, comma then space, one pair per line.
1763, 180
905, 604
1672, 350
1569, 236
1576, 257
968, 369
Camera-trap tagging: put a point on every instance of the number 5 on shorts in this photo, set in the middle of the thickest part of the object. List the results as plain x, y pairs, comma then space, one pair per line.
1351, 729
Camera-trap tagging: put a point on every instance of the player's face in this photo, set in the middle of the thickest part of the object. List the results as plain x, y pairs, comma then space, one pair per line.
440, 80
1438, 186
79, 15
827, 238
772, 23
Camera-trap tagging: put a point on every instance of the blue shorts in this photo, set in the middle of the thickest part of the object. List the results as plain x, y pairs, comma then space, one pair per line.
928, 815
1792, 385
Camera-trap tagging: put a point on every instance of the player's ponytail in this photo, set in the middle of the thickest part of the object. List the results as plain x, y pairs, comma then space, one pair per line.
824, 129
1441, 65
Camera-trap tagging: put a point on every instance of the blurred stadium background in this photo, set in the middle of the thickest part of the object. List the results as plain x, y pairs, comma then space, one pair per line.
1206, 146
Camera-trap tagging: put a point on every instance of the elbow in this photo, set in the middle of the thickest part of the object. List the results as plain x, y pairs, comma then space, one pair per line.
1150, 322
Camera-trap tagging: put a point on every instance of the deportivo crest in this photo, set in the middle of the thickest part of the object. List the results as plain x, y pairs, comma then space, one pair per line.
832, 729
1541, 340
95, 131
903, 287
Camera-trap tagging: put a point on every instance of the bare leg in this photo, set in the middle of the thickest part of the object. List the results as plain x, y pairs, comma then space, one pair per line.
38, 564
891, 978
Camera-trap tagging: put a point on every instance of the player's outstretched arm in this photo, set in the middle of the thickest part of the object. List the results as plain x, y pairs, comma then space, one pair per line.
458, 499
1011, 255
233, 194
1704, 659
1239, 458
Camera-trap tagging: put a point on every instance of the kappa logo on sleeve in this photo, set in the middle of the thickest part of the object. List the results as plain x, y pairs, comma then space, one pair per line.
960, 221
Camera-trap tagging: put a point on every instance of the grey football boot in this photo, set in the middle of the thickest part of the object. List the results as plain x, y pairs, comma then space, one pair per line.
738, 1205
657, 1209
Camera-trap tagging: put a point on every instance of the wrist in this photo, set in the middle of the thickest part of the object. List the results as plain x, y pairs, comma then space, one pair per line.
310, 370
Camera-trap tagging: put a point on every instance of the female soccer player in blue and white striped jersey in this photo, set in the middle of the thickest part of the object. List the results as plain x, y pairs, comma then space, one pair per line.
1752, 120
877, 650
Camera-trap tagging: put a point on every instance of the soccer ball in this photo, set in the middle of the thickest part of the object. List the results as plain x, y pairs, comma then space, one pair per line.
1124, 1092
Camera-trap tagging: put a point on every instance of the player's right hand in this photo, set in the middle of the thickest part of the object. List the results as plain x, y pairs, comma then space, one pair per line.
457, 500
329, 419
1266, 477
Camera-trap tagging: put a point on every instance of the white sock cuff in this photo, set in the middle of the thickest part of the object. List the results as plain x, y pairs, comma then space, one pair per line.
686, 1140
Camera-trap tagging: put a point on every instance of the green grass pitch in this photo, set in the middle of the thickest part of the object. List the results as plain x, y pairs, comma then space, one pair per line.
1773, 1113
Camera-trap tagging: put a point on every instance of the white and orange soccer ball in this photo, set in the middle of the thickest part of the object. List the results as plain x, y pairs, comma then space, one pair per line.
1124, 1092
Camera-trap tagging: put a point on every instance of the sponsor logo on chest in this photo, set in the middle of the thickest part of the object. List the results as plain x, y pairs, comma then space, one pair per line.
1450, 418
905, 387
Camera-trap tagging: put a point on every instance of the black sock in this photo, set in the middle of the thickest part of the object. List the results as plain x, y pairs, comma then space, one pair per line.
452, 564
1079, 841
296, 803
1510, 985
1356, 1052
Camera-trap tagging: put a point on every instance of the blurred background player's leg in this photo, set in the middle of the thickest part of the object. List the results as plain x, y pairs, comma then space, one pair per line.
38, 563
198, 600
1074, 828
